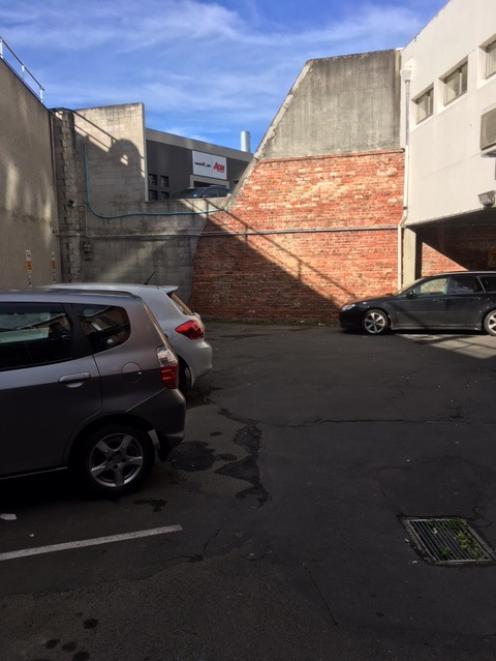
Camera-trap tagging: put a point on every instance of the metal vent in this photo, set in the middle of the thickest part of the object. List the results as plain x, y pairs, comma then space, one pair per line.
448, 541
488, 129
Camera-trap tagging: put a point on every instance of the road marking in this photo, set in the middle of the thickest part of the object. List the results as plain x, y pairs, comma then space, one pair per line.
82, 543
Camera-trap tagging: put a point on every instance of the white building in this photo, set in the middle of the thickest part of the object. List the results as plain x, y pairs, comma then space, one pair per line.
449, 128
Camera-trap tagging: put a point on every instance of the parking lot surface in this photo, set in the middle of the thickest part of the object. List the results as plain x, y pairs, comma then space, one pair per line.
304, 447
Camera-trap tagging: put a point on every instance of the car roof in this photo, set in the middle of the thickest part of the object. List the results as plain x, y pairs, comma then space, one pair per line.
440, 275
113, 286
40, 295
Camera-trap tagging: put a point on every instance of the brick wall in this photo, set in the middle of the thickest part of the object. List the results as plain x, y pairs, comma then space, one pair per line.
450, 247
302, 276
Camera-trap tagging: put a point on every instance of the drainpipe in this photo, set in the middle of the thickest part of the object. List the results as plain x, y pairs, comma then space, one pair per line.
406, 75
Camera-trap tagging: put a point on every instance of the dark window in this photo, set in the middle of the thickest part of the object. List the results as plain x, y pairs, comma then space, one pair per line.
491, 59
153, 195
105, 326
455, 84
463, 284
33, 334
152, 179
435, 287
489, 283
425, 105
164, 195
164, 181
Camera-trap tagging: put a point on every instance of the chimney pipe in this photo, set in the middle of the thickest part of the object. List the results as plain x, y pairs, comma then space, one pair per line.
245, 141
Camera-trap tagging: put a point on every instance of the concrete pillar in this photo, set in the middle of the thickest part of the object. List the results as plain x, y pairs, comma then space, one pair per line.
411, 257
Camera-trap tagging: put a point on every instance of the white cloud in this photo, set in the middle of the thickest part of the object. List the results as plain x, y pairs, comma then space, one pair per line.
196, 63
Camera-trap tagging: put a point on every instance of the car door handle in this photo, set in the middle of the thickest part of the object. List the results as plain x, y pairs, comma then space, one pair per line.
74, 380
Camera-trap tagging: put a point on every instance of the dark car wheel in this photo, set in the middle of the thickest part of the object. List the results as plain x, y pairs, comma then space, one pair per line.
114, 459
490, 322
184, 384
375, 322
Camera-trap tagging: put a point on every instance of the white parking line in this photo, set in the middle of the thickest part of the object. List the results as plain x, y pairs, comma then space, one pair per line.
96, 541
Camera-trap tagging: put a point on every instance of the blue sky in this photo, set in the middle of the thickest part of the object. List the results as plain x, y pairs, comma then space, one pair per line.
204, 69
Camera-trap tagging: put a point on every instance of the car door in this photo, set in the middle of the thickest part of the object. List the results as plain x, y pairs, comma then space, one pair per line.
423, 305
47, 388
464, 302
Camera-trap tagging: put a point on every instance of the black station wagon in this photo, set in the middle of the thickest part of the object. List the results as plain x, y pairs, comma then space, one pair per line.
463, 300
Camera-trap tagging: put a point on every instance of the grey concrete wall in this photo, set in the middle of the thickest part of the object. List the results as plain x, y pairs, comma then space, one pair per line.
339, 104
28, 207
109, 232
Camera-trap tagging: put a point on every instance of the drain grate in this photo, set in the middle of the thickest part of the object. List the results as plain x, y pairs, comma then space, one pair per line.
448, 541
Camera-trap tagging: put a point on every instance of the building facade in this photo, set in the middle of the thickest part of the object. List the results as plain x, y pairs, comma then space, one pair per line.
314, 220
29, 246
448, 130
176, 163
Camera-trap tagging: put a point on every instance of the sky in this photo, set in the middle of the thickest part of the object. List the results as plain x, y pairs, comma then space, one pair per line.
204, 69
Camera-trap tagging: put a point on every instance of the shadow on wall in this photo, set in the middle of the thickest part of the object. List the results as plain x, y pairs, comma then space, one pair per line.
288, 277
272, 266
452, 246
27, 191
101, 172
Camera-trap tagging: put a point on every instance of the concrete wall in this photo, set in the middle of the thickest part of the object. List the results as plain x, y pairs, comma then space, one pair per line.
109, 232
339, 104
313, 222
28, 208
446, 171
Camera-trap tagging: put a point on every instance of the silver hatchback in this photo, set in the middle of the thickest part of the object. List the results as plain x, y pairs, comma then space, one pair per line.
184, 329
88, 382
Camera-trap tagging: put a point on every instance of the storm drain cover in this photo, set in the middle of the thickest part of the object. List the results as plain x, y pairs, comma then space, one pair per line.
448, 541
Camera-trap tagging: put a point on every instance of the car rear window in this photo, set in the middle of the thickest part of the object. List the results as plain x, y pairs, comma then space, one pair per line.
105, 326
34, 334
489, 283
180, 303
463, 284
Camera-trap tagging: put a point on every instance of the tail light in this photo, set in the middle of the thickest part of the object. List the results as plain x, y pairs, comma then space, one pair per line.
168, 366
192, 329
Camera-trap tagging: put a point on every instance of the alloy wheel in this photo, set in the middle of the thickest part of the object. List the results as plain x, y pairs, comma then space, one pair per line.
375, 322
491, 323
116, 460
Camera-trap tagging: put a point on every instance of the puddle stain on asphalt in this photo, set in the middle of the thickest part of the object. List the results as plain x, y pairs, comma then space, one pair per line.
193, 456
200, 397
157, 505
246, 469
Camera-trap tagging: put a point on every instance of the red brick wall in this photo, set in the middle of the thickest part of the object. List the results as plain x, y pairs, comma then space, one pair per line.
302, 276
449, 247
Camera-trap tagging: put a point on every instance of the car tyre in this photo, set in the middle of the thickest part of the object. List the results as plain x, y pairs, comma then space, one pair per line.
490, 323
184, 384
114, 459
375, 322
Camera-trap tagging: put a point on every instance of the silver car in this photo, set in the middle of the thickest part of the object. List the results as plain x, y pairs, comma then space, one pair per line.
88, 382
184, 329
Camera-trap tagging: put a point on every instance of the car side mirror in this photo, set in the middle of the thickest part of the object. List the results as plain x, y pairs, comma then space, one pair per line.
410, 294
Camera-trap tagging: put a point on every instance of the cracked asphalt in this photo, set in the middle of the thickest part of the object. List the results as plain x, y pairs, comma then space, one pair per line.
304, 447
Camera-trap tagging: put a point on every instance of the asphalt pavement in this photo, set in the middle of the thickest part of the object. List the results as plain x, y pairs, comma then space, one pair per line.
304, 448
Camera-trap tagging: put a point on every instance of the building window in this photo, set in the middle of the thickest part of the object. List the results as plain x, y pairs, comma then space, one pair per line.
425, 105
152, 179
491, 59
164, 181
455, 84
164, 195
152, 195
